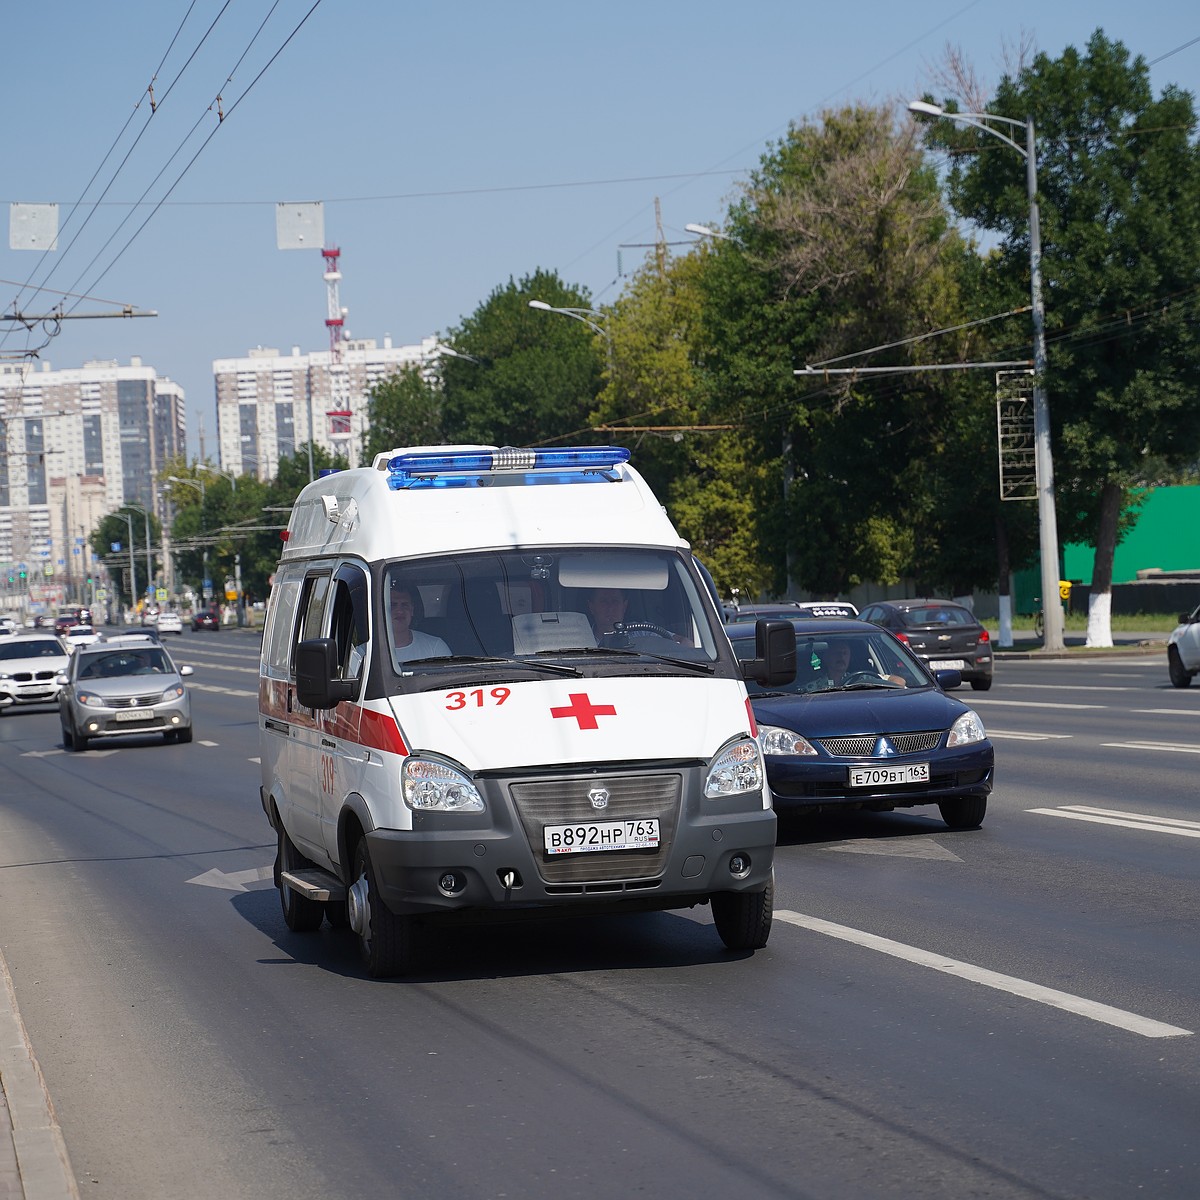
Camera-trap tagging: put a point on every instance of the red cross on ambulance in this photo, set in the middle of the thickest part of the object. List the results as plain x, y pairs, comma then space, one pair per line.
584, 711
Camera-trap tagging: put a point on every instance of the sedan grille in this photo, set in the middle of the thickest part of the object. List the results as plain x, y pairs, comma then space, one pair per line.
563, 801
864, 746
135, 701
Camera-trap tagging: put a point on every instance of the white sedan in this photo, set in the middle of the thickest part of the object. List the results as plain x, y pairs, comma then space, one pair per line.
80, 635
1183, 649
170, 622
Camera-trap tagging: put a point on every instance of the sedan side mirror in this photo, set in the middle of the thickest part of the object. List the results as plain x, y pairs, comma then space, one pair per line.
60, 679
948, 680
187, 671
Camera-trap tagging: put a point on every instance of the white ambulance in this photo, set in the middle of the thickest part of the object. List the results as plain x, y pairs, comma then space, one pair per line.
494, 685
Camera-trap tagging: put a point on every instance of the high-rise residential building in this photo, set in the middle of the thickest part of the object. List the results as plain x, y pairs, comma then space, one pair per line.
75, 445
267, 402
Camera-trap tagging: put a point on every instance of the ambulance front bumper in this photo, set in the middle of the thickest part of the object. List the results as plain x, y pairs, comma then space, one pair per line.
501, 862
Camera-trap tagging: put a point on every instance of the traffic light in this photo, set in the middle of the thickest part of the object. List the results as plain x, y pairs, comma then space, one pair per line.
22, 574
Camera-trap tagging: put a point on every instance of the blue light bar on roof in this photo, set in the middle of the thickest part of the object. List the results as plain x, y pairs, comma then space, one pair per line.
583, 464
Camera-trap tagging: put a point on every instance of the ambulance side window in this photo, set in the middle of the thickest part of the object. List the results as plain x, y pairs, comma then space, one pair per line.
312, 608
348, 624
277, 643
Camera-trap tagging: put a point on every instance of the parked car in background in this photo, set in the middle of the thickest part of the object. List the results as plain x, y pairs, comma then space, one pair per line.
30, 664
205, 619
80, 635
118, 689
945, 636
169, 621
791, 611
865, 725
7, 625
1183, 649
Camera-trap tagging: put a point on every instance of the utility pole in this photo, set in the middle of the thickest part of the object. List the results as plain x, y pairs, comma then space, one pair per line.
660, 242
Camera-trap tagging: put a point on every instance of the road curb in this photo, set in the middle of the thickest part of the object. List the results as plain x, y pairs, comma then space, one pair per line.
43, 1165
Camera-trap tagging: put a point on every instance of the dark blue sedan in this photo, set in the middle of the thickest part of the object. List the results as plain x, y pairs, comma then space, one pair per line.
866, 725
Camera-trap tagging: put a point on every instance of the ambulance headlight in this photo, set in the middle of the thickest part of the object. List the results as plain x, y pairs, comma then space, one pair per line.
736, 770
437, 787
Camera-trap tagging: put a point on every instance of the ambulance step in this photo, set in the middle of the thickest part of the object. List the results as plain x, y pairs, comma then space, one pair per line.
314, 884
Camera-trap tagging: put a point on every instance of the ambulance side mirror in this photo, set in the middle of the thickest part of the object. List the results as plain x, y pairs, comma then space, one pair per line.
774, 661
317, 685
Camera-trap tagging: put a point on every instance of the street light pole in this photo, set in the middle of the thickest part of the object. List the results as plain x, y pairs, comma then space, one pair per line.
1042, 454
198, 483
128, 519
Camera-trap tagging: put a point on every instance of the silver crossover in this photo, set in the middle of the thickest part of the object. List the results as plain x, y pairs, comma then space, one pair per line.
117, 690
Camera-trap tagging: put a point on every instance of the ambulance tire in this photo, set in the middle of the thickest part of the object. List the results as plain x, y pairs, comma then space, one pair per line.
300, 914
388, 943
743, 919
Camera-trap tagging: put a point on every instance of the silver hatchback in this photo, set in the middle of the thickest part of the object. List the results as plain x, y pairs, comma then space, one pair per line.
118, 690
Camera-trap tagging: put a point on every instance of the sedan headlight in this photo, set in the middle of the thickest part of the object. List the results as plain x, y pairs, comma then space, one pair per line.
967, 730
434, 786
173, 693
91, 700
774, 740
736, 770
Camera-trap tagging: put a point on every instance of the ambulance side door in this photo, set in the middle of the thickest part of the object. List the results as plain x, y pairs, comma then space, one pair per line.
303, 780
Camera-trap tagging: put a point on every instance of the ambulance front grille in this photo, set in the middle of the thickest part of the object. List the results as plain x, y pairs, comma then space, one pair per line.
566, 801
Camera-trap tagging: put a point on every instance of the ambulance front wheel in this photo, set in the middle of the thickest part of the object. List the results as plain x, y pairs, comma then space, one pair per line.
300, 914
743, 919
386, 941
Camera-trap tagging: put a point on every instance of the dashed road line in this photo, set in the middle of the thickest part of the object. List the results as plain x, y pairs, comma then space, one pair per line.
1091, 1009
1171, 747
1016, 736
1126, 820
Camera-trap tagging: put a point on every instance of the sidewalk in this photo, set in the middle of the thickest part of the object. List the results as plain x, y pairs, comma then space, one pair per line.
33, 1156
1126, 644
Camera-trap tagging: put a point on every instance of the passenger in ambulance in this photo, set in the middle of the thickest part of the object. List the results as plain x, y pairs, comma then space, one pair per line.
409, 643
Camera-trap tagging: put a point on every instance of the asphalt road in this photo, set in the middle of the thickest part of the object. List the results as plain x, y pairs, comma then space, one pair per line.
1007, 1012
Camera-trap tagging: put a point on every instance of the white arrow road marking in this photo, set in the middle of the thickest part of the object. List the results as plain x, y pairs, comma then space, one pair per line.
1126, 820
1175, 747
1013, 735
1091, 1009
899, 848
233, 881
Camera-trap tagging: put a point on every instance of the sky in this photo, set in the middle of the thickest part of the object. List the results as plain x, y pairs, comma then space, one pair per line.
454, 146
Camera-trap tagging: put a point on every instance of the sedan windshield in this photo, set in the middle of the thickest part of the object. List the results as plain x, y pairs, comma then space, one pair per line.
116, 663
844, 661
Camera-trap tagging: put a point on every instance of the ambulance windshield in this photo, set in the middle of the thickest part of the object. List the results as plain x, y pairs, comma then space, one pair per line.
591, 608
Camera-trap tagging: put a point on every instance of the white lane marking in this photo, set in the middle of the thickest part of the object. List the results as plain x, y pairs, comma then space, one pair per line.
1032, 703
1127, 821
204, 743
1169, 712
1175, 747
1027, 737
255, 760
1112, 812
221, 691
1091, 1009
1075, 687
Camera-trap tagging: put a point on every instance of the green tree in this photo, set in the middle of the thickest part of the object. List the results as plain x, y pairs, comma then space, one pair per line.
403, 410
1119, 198
537, 374
127, 527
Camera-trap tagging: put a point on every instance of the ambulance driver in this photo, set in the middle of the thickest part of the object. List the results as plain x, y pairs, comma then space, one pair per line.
409, 643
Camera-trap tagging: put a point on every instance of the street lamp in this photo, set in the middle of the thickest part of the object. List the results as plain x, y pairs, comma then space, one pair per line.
216, 471
707, 231
1042, 456
198, 483
578, 314
149, 559
128, 519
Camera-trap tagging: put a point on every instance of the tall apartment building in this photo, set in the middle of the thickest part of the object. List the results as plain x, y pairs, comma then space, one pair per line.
74, 446
268, 402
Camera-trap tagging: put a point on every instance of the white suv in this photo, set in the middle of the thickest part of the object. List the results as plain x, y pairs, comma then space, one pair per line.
1183, 649
29, 663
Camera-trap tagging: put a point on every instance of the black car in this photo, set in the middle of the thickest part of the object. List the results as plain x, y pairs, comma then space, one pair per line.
865, 725
945, 636
205, 619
